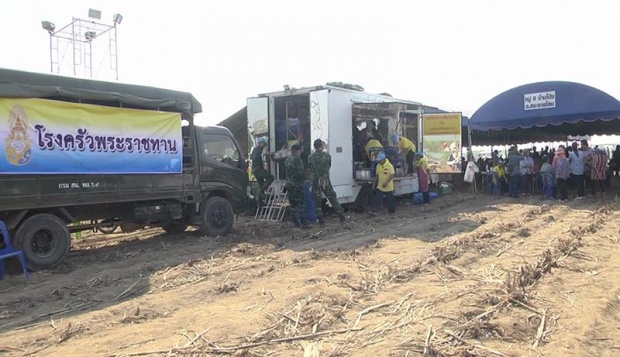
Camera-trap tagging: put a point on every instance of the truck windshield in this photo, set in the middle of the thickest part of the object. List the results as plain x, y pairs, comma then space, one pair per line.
221, 148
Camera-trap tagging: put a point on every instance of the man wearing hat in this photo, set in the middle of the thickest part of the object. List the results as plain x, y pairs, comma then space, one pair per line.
384, 185
295, 176
320, 162
263, 177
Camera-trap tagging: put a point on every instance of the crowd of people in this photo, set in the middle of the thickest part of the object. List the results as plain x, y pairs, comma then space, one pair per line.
552, 172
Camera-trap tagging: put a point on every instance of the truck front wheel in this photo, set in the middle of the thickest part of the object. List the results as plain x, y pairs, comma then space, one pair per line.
217, 217
45, 240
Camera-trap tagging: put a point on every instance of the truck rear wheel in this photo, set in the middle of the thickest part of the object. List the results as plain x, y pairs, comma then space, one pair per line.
216, 217
45, 240
175, 227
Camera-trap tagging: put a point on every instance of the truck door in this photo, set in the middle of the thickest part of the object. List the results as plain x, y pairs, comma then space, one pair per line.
258, 119
222, 165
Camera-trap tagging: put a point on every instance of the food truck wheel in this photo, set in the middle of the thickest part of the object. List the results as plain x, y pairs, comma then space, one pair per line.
217, 217
45, 240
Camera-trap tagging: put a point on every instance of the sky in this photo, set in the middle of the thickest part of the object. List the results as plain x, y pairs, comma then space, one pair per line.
455, 55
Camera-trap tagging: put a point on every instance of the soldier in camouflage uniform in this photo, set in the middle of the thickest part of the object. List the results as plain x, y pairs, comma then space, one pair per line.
263, 177
320, 162
295, 177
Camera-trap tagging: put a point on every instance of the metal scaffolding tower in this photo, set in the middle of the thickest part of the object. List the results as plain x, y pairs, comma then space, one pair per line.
71, 46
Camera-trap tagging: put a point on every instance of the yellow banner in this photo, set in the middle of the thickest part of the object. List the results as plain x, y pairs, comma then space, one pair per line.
442, 141
442, 124
40, 136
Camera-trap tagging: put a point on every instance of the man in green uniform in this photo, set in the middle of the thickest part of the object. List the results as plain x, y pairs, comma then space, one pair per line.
295, 176
263, 177
320, 162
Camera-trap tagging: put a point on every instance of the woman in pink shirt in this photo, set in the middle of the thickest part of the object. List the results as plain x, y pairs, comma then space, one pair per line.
559, 154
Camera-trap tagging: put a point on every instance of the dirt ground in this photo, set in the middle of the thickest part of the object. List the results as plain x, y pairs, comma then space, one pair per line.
466, 276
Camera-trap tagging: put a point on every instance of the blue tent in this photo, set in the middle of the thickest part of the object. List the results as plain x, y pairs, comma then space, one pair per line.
545, 103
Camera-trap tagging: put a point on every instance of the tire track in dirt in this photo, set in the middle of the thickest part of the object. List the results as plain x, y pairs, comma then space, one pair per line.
375, 228
241, 276
530, 274
105, 275
498, 321
586, 288
364, 287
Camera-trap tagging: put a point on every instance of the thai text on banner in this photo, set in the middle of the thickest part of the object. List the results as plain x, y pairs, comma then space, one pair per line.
39, 136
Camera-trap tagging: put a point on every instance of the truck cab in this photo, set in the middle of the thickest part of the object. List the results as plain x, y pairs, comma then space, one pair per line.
222, 166
110, 183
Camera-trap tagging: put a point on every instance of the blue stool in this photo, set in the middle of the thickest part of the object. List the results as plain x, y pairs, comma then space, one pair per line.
8, 251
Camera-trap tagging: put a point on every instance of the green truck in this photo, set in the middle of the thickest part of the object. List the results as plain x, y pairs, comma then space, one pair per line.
80, 154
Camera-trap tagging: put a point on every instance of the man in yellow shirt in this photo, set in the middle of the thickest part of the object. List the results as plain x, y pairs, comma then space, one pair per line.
499, 177
373, 146
384, 185
406, 148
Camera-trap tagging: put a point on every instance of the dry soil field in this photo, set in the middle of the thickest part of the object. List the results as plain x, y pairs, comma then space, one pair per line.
465, 276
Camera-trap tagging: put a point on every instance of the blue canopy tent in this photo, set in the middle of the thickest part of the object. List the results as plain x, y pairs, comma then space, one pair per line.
545, 111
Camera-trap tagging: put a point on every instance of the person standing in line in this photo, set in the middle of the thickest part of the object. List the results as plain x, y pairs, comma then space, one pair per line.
577, 167
320, 162
560, 151
599, 172
499, 178
535, 155
527, 172
587, 171
562, 174
548, 177
514, 170
263, 177
615, 161
423, 169
495, 157
295, 177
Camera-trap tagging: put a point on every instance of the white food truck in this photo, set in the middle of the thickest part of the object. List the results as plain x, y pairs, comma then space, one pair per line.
337, 114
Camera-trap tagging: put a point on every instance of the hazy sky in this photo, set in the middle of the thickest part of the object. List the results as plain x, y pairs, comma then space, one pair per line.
452, 54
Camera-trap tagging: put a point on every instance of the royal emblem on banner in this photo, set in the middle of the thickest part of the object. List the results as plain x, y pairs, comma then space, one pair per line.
17, 143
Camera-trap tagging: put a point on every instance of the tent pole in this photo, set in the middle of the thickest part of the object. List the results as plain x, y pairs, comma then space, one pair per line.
468, 135
470, 157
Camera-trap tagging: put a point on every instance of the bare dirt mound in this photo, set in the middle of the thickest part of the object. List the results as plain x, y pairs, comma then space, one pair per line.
465, 276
